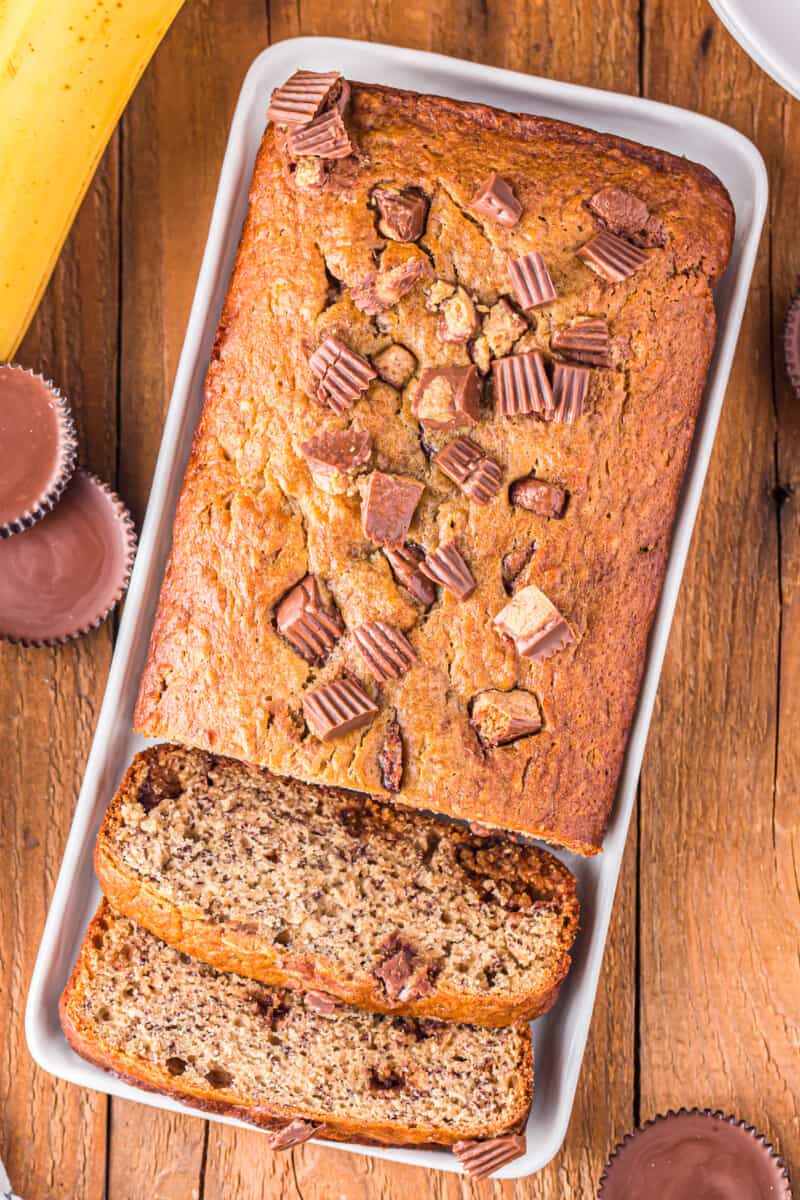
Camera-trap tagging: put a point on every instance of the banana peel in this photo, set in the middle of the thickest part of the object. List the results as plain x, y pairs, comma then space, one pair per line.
67, 70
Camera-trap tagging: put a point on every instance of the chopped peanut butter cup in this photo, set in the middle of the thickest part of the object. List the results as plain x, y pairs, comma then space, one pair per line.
390, 757
538, 496
325, 137
570, 389
446, 567
482, 1159
585, 341
627, 215
521, 386
303, 96
502, 717
448, 397
386, 650
336, 708
335, 456
383, 289
530, 280
611, 257
343, 375
388, 506
534, 624
495, 199
406, 563
38, 447
293, 1134
309, 621
478, 477
321, 1002
402, 213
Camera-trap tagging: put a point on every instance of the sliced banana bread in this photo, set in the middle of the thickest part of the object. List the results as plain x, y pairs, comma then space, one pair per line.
327, 890
171, 1024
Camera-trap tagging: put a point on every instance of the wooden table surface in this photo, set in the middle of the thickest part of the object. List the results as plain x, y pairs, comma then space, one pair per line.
699, 1001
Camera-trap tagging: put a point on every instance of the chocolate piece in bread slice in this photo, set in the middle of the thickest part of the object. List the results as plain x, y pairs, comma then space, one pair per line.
321, 889
170, 1024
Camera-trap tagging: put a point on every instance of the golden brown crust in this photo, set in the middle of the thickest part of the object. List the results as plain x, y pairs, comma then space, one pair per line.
250, 522
143, 1074
228, 948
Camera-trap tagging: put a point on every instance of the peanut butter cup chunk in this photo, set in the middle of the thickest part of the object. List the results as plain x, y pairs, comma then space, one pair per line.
64, 575
336, 708
502, 717
335, 456
538, 496
406, 563
480, 1159
341, 373
495, 199
612, 258
521, 386
308, 619
388, 506
387, 651
463, 461
585, 340
402, 213
307, 93
325, 137
530, 280
534, 624
570, 389
37, 446
446, 567
448, 397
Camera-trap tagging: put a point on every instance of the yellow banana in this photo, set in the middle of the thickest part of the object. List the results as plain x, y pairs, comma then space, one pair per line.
67, 69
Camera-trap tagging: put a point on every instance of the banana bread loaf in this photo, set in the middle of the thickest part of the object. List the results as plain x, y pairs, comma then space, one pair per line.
333, 893
170, 1024
426, 517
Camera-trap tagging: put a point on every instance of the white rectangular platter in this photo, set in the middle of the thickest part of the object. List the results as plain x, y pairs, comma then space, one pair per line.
560, 1037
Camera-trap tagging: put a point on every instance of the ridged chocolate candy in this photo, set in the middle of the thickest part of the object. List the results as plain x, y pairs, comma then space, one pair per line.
570, 388
336, 708
521, 386
530, 280
584, 341
446, 567
534, 624
478, 477
482, 1159
611, 257
386, 650
299, 100
307, 622
343, 375
325, 137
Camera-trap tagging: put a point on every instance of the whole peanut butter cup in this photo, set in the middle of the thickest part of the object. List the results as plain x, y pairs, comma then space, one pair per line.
37, 445
64, 575
791, 344
694, 1153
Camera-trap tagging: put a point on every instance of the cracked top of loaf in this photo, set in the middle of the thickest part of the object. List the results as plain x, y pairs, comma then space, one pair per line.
359, 277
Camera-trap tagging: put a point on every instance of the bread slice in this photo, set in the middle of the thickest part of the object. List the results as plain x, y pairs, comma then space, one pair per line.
328, 890
171, 1024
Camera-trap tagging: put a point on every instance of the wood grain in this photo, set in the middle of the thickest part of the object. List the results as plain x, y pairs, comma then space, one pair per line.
701, 984
52, 1136
720, 907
